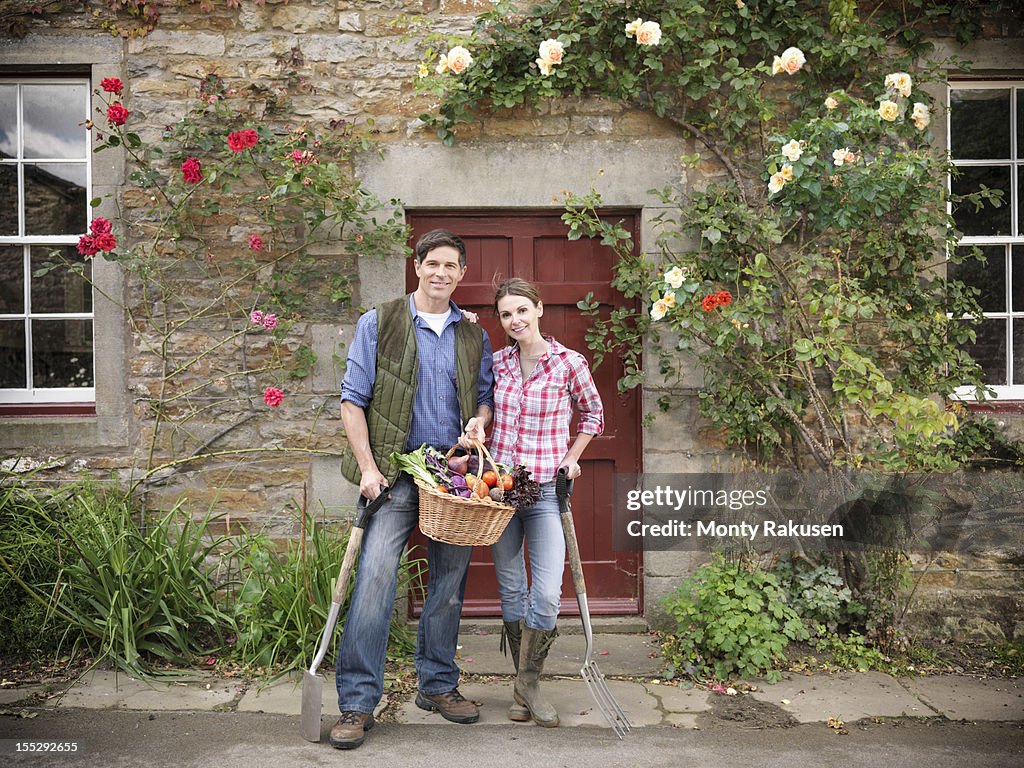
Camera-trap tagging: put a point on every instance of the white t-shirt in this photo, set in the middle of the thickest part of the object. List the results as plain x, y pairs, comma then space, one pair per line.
435, 321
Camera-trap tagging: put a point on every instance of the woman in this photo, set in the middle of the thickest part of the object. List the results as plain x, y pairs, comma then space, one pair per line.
537, 382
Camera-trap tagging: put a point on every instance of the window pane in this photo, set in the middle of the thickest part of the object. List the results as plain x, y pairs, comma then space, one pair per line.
1018, 351
1020, 123
61, 289
12, 284
8, 121
12, 354
989, 220
8, 200
55, 201
988, 276
51, 117
1018, 279
62, 353
990, 350
979, 124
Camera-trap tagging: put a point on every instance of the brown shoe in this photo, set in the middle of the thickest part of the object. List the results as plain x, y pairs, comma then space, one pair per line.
453, 706
350, 730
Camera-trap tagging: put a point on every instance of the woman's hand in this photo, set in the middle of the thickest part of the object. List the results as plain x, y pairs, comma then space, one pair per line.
472, 317
474, 433
571, 467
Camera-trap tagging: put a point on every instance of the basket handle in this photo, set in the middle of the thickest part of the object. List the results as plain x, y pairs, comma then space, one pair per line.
481, 452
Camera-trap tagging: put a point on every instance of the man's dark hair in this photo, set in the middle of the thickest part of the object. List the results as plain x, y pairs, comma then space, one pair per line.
436, 238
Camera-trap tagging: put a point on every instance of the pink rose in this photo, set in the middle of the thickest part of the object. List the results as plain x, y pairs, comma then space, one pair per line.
270, 321
112, 84
273, 396
256, 317
116, 114
256, 242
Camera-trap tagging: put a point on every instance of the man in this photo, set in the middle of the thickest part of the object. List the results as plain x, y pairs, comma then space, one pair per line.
416, 374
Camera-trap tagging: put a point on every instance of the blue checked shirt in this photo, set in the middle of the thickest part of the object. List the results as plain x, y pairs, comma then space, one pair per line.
436, 419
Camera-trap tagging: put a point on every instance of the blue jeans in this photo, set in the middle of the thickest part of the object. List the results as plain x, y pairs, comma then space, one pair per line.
541, 527
360, 669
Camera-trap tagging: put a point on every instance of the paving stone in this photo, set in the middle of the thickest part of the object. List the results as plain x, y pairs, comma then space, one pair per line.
11, 695
677, 700
959, 697
570, 697
848, 696
284, 697
109, 690
626, 655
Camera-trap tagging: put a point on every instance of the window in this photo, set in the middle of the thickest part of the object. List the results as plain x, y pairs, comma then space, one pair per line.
986, 144
46, 317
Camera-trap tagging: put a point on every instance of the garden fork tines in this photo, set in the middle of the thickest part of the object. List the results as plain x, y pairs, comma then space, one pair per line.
589, 671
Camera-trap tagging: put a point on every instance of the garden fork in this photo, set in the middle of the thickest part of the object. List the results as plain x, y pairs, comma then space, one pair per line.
589, 671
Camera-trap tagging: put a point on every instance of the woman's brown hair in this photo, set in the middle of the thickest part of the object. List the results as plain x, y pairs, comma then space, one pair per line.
516, 286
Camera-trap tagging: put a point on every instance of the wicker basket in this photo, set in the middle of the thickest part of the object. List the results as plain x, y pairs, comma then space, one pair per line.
467, 522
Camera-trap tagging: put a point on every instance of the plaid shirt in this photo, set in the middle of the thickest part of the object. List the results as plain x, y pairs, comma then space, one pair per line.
531, 419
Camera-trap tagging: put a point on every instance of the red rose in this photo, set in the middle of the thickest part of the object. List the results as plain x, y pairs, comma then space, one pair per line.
192, 171
100, 226
256, 242
240, 140
273, 396
87, 245
116, 114
709, 302
105, 241
112, 85
724, 298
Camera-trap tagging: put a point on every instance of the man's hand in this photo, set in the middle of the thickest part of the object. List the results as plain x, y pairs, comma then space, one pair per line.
371, 483
474, 432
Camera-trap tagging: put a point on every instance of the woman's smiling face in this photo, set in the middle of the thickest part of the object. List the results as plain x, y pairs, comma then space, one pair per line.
520, 317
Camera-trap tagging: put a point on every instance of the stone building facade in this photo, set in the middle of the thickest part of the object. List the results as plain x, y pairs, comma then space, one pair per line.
356, 60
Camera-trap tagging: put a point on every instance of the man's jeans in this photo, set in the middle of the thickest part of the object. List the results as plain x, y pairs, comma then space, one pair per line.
542, 528
360, 669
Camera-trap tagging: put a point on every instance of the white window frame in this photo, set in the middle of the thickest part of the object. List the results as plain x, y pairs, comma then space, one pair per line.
30, 395
1015, 162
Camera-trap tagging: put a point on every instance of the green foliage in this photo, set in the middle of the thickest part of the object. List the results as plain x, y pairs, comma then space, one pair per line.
852, 651
82, 568
281, 605
818, 594
980, 442
732, 619
125, 591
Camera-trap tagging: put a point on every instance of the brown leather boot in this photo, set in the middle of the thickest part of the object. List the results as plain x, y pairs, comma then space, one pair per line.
512, 635
350, 730
453, 706
534, 650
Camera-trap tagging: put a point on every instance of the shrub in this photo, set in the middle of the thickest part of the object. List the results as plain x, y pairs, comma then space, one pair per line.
818, 594
281, 606
732, 619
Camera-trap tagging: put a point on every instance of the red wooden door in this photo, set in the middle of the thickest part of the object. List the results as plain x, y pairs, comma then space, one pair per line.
534, 246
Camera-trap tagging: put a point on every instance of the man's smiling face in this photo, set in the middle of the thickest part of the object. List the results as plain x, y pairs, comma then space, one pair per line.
440, 273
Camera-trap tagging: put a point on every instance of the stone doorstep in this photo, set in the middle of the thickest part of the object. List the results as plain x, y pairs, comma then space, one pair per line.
848, 696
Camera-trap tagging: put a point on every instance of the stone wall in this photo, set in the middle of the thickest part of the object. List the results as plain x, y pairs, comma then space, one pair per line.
356, 61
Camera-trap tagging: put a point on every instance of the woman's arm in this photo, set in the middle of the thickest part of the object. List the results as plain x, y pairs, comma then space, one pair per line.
584, 394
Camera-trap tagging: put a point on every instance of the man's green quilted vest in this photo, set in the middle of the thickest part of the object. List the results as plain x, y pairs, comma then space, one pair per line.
389, 414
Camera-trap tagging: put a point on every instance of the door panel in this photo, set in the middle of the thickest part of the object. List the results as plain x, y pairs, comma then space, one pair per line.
534, 246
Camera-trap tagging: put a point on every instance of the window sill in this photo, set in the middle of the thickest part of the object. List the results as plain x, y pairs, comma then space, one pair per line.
44, 410
994, 406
